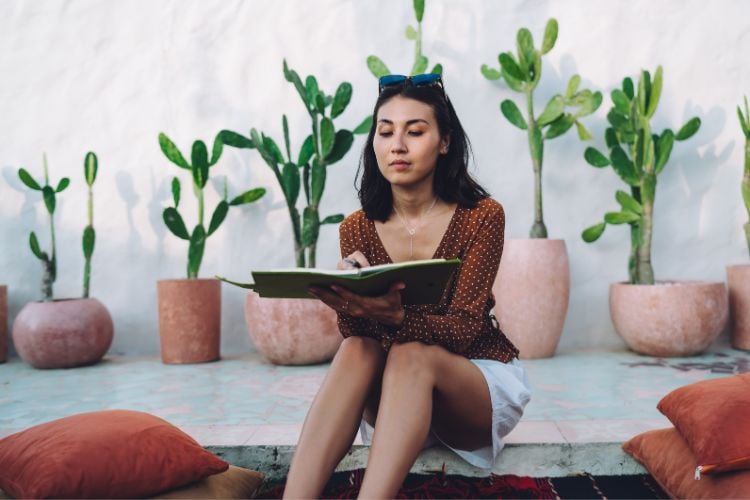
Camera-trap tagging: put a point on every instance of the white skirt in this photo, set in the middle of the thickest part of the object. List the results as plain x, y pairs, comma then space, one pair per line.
509, 394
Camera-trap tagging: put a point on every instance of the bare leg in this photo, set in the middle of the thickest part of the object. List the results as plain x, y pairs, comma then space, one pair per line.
333, 419
420, 384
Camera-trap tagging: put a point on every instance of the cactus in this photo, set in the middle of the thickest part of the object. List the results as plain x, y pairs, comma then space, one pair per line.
638, 156
50, 202
522, 73
377, 66
322, 148
745, 124
199, 168
90, 168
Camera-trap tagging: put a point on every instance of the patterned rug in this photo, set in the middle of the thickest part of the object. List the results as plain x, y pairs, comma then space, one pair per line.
440, 485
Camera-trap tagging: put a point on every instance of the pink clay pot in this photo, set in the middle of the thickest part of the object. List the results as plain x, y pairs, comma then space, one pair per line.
189, 320
669, 318
292, 331
63, 333
3, 323
738, 279
532, 290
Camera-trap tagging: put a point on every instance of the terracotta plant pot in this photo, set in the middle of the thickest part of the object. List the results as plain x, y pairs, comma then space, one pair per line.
3, 323
63, 333
189, 320
738, 278
669, 318
532, 290
292, 331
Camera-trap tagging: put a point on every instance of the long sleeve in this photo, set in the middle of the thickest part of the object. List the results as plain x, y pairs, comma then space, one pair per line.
466, 315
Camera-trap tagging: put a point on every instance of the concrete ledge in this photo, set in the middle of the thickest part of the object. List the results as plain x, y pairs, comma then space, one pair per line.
551, 459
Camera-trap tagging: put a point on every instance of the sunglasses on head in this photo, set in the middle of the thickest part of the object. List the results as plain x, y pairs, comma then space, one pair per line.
416, 80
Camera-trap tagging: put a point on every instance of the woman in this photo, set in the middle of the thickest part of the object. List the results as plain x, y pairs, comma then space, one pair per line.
441, 371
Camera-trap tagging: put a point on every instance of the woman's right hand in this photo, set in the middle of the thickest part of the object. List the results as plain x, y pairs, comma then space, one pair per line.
353, 261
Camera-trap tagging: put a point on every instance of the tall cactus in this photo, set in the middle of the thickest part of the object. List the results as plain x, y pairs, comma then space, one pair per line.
90, 168
322, 148
638, 156
522, 73
745, 124
50, 202
199, 168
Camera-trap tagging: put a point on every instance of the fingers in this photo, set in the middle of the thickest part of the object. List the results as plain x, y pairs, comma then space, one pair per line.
353, 261
360, 258
329, 298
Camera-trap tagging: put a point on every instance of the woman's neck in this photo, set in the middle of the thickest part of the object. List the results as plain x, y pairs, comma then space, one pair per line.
413, 203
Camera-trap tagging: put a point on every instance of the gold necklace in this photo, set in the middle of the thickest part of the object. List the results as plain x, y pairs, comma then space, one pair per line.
413, 229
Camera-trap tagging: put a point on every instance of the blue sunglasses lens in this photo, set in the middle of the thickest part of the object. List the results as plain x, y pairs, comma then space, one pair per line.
388, 80
425, 79
416, 80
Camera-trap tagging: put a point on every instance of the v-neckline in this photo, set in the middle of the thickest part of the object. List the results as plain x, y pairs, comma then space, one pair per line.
437, 250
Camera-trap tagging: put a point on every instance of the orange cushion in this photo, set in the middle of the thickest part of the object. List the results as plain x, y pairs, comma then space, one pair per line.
669, 459
105, 454
235, 482
714, 418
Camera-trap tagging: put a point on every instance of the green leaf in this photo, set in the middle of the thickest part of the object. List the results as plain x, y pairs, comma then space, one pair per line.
437, 69
310, 226
285, 128
555, 107
509, 65
583, 134
743, 123
377, 67
536, 144
320, 103
173, 221
746, 195
34, 244
64, 183
90, 167
171, 152
689, 129
200, 164
176, 191
513, 114
311, 91
588, 103
593, 233
525, 49
327, 136
420, 65
248, 197
364, 127
516, 85
220, 213
341, 99
88, 242
306, 151
653, 100
235, 140
550, 35
318, 181
49, 198
195, 250
610, 138
595, 158
28, 180
628, 203
621, 102
216, 150
490, 73
624, 166
270, 146
573, 84
341, 146
627, 87
618, 120
290, 182
411, 33
291, 76
332, 219
419, 10
559, 126
664, 149
644, 89
621, 217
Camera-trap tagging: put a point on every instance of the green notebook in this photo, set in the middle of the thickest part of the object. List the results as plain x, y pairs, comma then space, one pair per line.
425, 280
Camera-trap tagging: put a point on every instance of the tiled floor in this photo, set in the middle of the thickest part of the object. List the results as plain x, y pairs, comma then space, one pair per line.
582, 397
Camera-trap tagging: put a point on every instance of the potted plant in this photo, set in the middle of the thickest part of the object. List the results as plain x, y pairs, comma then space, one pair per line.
62, 333
190, 309
301, 331
738, 277
532, 288
666, 318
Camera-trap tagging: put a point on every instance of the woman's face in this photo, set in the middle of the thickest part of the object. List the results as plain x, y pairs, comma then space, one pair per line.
407, 141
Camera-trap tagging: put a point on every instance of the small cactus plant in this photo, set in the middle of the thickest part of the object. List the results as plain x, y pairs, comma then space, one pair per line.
322, 148
638, 156
90, 168
745, 124
522, 73
199, 168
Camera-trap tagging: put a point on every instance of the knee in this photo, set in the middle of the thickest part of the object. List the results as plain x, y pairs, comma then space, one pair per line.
409, 361
360, 350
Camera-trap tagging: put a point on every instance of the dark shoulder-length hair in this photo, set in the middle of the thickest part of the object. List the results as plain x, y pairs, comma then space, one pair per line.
452, 181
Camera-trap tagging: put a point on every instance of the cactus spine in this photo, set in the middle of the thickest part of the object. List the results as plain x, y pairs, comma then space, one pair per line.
745, 124
90, 168
522, 73
638, 156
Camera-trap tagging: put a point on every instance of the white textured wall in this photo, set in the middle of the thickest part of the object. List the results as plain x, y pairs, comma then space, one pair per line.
110, 75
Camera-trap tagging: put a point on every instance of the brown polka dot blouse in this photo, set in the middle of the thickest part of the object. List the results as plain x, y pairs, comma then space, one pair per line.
461, 321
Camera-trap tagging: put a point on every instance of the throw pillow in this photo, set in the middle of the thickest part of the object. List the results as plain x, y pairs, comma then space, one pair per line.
104, 454
235, 482
714, 418
669, 460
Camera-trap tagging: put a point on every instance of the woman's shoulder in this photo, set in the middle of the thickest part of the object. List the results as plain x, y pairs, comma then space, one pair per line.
353, 222
487, 208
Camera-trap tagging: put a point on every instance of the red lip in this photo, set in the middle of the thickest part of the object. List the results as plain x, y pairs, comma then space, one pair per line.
399, 162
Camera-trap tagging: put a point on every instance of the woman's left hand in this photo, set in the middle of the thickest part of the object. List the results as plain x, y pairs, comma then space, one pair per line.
386, 309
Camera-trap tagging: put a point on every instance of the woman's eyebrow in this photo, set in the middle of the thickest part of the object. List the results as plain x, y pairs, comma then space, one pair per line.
408, 122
